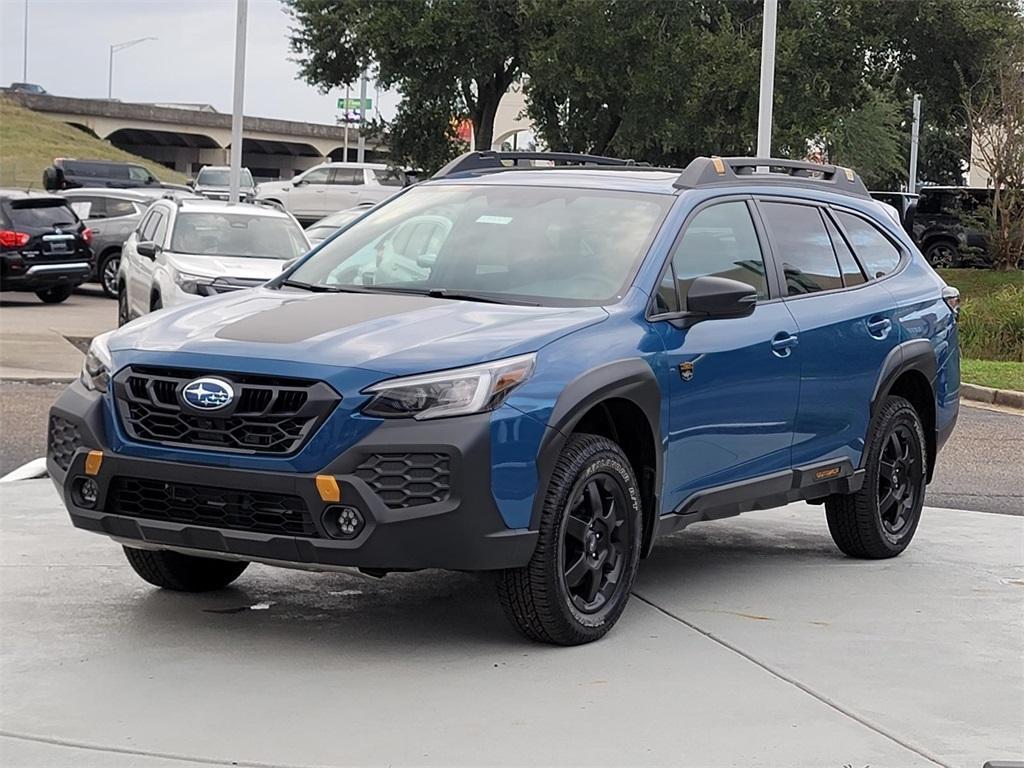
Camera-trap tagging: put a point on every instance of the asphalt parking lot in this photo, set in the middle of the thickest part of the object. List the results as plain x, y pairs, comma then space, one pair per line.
749, 642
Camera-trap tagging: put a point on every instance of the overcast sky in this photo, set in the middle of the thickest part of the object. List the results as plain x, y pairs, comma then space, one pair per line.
192, 59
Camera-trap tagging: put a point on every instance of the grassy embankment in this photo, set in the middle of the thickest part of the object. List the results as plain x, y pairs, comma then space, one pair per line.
30, 140
991, 326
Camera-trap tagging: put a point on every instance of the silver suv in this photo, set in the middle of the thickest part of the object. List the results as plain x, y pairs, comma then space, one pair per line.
331, 187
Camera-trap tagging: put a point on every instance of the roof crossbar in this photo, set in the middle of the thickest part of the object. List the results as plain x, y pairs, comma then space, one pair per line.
728, 171
490, 160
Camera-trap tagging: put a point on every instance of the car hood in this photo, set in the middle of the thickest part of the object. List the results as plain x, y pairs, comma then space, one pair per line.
226, 266
273, 186
390, 333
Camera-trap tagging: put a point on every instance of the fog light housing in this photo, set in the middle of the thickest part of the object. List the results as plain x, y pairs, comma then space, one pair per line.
87, 492
343, 522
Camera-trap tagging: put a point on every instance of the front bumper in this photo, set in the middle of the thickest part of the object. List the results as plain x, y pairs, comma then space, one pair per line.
462, 532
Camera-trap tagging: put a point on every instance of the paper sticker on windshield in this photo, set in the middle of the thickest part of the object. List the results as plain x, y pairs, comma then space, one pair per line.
494, 220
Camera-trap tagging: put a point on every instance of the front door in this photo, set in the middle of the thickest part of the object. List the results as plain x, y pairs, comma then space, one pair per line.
734, 382
307, 198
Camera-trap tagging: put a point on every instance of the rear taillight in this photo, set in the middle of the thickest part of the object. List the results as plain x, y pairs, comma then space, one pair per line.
951, 296
87, 235
11, 239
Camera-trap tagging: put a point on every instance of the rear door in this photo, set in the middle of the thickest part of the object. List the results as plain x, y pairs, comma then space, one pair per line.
344, 189
846, 324
734, 382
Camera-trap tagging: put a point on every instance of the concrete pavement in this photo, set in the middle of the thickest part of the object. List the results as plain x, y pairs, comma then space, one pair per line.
750, 642
34, 337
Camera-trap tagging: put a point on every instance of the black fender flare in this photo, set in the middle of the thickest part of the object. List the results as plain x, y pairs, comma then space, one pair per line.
914, 355
629, 379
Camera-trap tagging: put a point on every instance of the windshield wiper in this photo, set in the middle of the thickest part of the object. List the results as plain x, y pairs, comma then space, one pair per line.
315, 287
487, 298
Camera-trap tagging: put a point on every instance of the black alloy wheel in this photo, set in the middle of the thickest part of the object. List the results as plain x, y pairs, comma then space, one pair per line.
899, 481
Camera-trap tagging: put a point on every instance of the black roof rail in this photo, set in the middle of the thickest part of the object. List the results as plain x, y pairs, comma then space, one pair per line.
727, 171
491, 160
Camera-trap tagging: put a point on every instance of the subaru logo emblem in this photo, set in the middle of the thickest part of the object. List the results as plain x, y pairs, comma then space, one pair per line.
208, 394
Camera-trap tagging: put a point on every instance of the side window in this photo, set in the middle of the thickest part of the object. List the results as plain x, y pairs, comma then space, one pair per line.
852, 274
115, 208
88, 207
389, 177
318, 176
875, 251
160, 231
801, 244
348, 176
720, 241
666, 300
138, 173
146, 225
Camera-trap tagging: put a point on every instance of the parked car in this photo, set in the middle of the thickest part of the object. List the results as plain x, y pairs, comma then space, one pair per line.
214, 182
187, 248
590, 358
68, 173
904, 203
320, 230
948, 228
32, 88
111, 215
44, 248
331, 187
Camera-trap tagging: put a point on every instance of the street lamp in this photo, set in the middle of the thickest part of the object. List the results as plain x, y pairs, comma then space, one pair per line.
110, 68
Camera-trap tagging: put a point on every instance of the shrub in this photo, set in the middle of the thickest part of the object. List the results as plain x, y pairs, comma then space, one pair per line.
992, 325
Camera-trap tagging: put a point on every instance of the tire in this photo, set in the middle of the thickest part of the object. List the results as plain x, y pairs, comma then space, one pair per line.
156, 303
183, 573
106, 273
123, 316
880, 519
942, 254
55, 295
578, 580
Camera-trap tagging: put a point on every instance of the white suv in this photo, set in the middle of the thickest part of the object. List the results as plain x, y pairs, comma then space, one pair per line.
332, 187
187, 248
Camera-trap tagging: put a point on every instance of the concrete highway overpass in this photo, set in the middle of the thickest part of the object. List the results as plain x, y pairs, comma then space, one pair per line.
187, 137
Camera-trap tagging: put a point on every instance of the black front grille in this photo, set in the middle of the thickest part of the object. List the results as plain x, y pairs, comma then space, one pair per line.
268, 414
62, 441
407, 479
214, 507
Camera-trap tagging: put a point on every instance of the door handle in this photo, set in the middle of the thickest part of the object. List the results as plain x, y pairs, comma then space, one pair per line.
783, 343
879, 327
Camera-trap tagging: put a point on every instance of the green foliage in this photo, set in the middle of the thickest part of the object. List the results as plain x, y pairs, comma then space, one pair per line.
868, 139
998, 374
449, 58
991, 313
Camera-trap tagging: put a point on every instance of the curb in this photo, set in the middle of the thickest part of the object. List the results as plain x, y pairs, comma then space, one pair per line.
1005, 397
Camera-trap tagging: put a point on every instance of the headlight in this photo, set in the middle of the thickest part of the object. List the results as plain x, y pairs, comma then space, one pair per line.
449, 393
96, 366
193, 283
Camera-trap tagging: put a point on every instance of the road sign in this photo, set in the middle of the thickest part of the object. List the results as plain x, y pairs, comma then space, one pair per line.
354, 104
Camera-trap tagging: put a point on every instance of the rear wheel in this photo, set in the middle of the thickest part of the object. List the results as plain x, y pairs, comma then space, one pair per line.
156, 303
880, 519
942, 254
183, 573
55, 295
122, 306
577, 583
107, 273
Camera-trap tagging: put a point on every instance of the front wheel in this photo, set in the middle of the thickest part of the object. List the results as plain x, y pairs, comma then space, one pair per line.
123, 316
55, 295
183, 573
880, 519
577, 583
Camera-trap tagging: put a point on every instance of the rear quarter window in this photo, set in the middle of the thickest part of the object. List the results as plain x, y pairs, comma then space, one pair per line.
876, 252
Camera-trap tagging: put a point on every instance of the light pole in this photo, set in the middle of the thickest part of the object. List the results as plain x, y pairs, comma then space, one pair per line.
110, 67
915, 135
235, 175
24, 60
764, 111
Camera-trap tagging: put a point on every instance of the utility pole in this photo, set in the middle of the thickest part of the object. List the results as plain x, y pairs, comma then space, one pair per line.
764, 110
361, 153
24, 60
915, 133
345, 118
242, 10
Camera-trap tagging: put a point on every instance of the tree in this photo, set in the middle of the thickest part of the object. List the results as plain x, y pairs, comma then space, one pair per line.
995, 108
449, 58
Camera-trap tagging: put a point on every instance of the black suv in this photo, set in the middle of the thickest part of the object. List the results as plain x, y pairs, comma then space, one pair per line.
44, 247
67, 173
948, 226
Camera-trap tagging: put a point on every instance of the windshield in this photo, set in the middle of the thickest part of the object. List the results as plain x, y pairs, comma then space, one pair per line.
216, 177
237, 234
541, 245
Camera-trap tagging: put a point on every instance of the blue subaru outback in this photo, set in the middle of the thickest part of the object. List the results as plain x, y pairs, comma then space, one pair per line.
531, 368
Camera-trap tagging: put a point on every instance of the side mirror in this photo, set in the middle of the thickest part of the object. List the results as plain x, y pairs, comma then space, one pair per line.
299, 182
148, 248
711, 298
